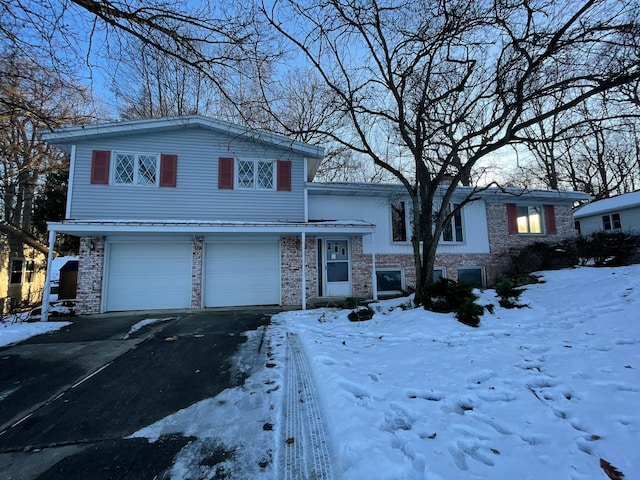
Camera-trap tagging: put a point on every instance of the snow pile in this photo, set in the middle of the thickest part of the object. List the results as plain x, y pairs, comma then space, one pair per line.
144, 323
540, 392
14, 330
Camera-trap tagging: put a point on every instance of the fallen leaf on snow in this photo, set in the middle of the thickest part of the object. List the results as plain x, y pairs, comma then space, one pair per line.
612, 472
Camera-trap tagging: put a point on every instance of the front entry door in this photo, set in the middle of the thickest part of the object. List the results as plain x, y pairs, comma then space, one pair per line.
337, 268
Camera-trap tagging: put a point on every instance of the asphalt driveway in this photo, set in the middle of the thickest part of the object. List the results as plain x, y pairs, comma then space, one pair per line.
69, 399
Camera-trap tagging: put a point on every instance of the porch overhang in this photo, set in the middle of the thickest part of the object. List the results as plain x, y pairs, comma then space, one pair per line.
198, 227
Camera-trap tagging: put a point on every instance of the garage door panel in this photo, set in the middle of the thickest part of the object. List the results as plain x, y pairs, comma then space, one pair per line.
242, 273
149, 275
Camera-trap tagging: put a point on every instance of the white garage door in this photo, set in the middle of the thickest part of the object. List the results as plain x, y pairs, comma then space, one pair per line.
242, 273
148, 276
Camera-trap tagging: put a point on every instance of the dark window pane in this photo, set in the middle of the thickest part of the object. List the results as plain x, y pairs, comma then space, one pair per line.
389, 281
16, 271
337, 271
399, 221
606, 222
438, 274
616, 221
472, 276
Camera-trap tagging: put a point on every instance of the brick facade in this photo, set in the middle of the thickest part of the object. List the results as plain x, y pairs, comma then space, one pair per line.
196, 272
291, 269
90, 269
502, 245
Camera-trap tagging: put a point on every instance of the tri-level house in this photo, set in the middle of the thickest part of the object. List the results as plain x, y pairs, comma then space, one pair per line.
192, 212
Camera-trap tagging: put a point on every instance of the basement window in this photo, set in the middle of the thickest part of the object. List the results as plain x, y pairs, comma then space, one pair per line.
471, 276
390, 281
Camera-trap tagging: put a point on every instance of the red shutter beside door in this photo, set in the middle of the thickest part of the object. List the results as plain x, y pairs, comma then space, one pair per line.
550, 219
168, 170
512, 218
225, 173
100, 167
284, 175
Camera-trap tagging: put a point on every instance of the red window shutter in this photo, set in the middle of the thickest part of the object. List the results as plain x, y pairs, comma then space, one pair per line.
100, 167
284, 176
512, 218
550, 219
225, 173
168, 170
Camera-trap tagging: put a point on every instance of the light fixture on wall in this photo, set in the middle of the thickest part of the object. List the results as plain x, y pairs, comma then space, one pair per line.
92, 245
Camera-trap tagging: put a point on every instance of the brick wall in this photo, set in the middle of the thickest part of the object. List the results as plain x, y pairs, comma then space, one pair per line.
361, 270
291, 269
90, 268
503, 245
196, 272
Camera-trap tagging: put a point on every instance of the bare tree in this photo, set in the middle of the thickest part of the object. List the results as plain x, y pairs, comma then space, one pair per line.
31, 98
456, 80
593, 148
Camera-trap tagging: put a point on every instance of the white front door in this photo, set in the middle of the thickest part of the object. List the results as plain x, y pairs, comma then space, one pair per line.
337, 268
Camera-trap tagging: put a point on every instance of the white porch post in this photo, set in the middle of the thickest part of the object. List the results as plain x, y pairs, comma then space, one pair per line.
303, 237
374, 277
44, 309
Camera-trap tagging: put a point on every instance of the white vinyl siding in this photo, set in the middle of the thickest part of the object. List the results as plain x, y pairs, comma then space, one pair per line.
148, 275
197, 196
241, 273
376, 210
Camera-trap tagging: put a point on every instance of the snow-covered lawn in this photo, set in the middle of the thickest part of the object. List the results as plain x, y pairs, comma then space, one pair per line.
533, 393
13, 329
546, 392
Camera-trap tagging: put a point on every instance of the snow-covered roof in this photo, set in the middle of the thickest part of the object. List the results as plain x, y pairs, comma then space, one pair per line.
619, 202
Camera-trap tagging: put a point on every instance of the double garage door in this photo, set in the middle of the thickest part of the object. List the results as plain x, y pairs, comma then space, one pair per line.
157, 275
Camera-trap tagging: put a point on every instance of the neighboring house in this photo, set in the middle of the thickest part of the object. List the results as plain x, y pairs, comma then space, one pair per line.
192, 212
620, 213
23, 260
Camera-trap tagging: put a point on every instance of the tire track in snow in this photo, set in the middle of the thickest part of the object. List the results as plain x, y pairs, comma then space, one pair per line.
306, 451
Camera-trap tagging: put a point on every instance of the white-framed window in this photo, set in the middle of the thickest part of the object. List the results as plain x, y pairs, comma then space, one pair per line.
399, 221
390, 280
16, 270
611, 222
471, 275
453, 229
438, 273
255, 174
29, 271
135, 168
529, 219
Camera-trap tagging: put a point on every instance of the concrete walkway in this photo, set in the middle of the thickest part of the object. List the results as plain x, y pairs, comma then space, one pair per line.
305, 452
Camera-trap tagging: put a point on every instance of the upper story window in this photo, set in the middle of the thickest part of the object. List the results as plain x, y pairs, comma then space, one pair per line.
453, 231
255, 174
611, 222
135, 168
399, 221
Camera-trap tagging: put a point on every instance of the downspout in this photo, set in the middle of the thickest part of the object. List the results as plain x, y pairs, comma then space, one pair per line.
374, 277
303, 237
306, 193
46, 294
